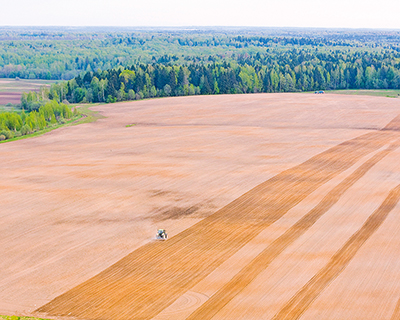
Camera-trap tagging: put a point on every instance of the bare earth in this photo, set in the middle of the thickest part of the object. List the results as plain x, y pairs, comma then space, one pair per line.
11, 90
278, 206
10, 97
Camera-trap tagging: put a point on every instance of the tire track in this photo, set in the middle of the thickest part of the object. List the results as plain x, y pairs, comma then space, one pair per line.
393, 125
148, 280
212, 306
305, 296
396, 313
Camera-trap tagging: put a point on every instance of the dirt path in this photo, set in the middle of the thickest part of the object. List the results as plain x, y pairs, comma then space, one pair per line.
148, 286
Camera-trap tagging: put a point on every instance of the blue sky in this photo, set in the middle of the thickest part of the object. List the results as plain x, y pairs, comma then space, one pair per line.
268, 13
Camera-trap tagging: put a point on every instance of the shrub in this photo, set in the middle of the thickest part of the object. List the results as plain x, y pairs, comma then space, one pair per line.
25, 130
2, 137
7, 133
10, 135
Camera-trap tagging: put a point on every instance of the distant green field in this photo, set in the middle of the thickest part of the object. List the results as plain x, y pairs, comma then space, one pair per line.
380, 93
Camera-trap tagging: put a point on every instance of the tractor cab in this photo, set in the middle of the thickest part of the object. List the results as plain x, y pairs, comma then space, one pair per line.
162, 234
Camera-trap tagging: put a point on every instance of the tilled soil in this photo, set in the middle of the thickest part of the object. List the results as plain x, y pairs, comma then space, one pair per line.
9, 97
225, 175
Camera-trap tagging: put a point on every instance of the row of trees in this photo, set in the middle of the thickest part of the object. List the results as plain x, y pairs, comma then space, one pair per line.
287, 71
14, 124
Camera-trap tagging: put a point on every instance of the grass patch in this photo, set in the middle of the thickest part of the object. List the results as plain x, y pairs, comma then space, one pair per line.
390, 93
19, 318
86, 116
10, 107
130, 125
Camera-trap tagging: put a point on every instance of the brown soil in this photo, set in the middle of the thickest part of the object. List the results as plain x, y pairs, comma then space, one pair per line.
302, 300
396, 313
79, 199
9, 97
148, 287
264, 259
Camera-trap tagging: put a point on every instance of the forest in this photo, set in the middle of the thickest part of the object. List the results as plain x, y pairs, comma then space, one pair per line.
117, 64
284, 71
63, 53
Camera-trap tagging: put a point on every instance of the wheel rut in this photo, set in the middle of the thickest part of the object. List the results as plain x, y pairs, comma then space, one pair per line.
396, 313
300, 302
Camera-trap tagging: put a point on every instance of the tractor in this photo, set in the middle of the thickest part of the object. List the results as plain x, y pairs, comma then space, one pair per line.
161, 234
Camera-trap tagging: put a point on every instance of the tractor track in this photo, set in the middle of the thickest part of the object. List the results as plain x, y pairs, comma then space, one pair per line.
396, 313
152, 277
300, 302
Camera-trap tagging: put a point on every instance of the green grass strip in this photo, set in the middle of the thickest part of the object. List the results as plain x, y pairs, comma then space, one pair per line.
20, 318
390, 93
86, 116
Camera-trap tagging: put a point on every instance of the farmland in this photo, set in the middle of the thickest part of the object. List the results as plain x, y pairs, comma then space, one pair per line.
11, 89
278, 206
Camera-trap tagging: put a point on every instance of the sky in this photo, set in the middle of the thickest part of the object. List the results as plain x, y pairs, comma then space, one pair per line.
267, 13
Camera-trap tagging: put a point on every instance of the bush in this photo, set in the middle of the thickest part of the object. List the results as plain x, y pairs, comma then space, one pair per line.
8, 134
2, 137
25, 130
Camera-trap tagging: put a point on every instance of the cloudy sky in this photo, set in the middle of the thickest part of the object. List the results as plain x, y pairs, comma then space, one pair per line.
269, 13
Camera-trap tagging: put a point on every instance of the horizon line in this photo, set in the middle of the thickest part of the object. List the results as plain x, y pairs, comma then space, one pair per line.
198, 27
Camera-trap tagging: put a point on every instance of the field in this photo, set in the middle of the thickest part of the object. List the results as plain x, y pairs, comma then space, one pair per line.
278, 206
11, 89
390, 93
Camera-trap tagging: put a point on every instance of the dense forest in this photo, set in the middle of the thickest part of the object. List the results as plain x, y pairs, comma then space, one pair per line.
284, 71
64, 53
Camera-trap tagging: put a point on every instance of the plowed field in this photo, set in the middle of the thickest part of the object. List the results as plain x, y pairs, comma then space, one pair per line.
278, 206
11, 90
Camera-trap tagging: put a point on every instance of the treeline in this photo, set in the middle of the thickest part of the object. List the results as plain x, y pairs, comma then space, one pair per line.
15, 124
286, 71
62, 54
